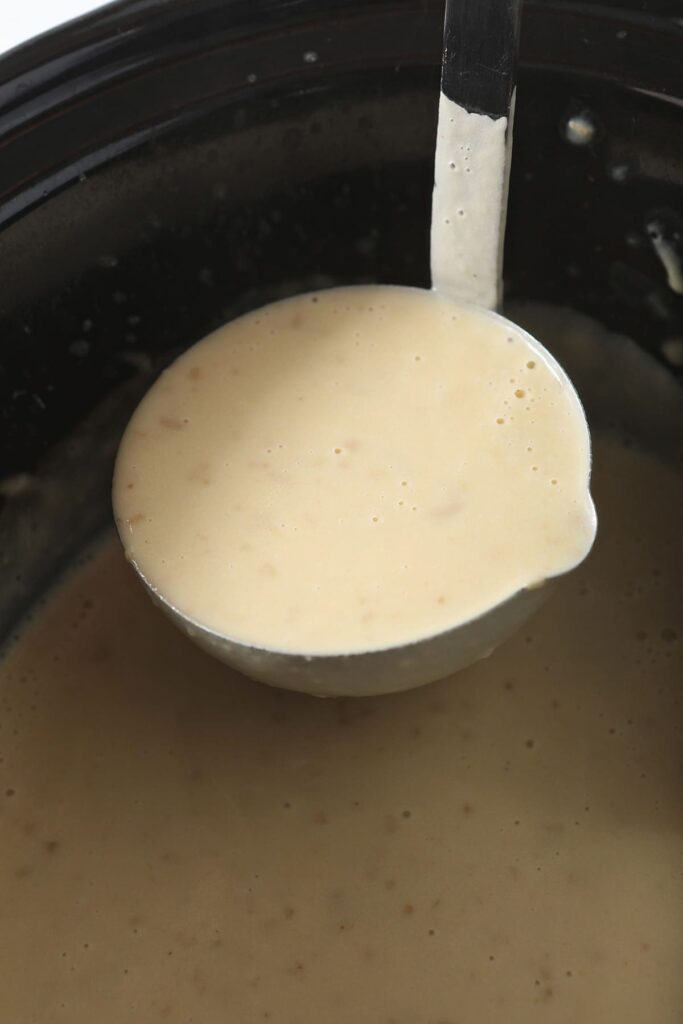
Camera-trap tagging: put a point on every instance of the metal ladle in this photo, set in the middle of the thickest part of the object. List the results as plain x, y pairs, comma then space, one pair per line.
478, 73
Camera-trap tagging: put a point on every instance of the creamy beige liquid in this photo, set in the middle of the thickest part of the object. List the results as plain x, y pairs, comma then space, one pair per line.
181, 845
471, 169
354, 469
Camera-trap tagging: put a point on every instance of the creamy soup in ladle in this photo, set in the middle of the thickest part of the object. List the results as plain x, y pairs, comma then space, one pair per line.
354, 469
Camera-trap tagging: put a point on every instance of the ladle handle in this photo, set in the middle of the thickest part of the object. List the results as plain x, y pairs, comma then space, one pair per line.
473, 148
480, 44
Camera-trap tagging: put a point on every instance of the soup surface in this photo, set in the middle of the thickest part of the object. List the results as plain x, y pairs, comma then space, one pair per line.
180, 844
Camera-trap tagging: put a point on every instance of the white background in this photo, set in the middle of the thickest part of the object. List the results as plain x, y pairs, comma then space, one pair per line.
26, 18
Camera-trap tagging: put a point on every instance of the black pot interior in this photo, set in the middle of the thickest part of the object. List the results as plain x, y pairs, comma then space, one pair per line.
165, 166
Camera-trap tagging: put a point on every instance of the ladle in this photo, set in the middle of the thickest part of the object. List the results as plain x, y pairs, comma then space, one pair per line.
477, 99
